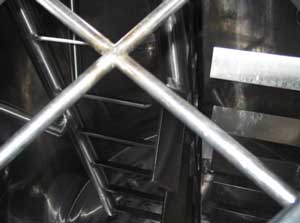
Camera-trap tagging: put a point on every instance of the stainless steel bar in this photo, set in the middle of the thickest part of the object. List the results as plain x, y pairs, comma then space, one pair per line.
123, 168
23, 18
12, 147
209, 131
60, 40
16, 144
141, 144
77, 25
14, 113
100, 43
291, 214
97, 176
47, 69
135, 36
175, 38
117, 101
205, 128
74, 50
44, 65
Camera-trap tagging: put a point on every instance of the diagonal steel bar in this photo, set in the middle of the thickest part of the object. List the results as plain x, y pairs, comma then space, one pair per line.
55, 130
99, 42
50, 75
205, 128
219, 139
15, 145
25, 135
234, 152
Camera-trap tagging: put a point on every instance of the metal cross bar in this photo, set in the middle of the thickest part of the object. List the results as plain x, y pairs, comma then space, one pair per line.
15, 145
205, 128
118, 101
209, 131
56, 130
50, 75
115, 55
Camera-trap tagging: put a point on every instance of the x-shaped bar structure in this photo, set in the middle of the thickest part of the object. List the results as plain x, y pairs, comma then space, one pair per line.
117, 55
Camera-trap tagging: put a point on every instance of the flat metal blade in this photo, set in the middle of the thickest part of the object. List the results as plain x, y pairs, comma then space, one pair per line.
270, 128
256, 68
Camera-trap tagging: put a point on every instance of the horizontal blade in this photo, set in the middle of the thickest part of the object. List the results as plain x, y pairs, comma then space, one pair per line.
270, 128
256, 68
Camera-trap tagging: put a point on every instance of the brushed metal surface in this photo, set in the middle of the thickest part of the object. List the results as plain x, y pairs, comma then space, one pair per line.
256, 68
261, 126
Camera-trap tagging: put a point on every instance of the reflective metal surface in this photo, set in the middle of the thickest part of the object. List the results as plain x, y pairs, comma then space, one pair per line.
35, 170
256, 125
256, 26
52, 80
256, 68
17, 143
184, 111
60, 40
174, 47
89, 78
56, 130
48, 158
40, 176
215, 136
252, 26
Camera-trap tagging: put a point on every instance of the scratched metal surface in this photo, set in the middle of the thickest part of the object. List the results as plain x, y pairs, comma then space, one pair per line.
45, 179
272, 27
262, 26
257, 68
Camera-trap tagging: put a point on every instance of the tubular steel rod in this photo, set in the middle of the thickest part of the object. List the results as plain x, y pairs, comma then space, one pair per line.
74, 51
77, 25
49, 73
129, 42
209, 131
69, 96
99, 42
15, 145
60, 40
204, 127
117, 101
144, 144
17, 114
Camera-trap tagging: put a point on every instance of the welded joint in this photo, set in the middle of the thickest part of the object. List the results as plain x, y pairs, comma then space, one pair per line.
117, 55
